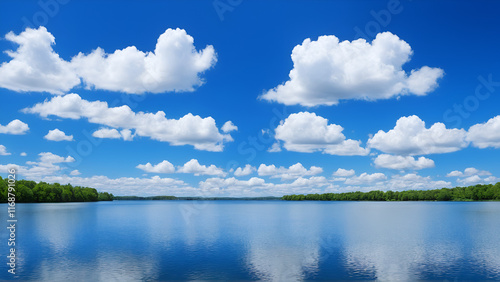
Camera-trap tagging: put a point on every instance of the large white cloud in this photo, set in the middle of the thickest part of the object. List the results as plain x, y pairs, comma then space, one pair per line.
327, 70
58, 135
294, 171
15, 127
174, 65
307, 132
248, 169
163, 167
366, 178
112, 133
485, 135
411, 137
202, 133
35, 66
193, 166
403, 162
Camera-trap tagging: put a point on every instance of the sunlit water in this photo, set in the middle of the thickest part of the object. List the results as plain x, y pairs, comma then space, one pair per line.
256, 240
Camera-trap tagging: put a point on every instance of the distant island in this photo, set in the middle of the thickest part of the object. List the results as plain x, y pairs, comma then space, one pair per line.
478, 192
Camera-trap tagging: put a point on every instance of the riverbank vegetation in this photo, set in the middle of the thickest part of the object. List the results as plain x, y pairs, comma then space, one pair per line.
27, 191
478, 192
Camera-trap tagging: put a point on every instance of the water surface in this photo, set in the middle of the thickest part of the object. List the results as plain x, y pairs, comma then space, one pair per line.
256, 240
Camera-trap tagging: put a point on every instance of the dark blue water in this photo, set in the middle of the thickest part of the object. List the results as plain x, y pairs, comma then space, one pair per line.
255, 240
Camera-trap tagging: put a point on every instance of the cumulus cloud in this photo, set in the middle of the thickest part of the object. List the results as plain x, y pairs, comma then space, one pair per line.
174, 65
248, 169
472, 176
202, 133
411, 137
403, 162
3, 151
74, 172
468, 172
327, 70
23, 154
58, 135
344, 172
15, 127
307, 132
46, 165
112, 133
365, 178
228, 127
485, 135
194, 167
413, 181
35, 66
163, 167
294, 171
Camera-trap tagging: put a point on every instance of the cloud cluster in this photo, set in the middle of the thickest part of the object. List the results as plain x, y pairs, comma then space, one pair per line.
411, 137
3, 151
485, 135
174, 65
58, 135
307, 132
202, 133
15, 127
472, 176
327, 70
192, 166
47, 165
403, 162
112, 133
294, 171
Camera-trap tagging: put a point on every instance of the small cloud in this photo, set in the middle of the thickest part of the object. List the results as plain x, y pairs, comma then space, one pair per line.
58, 135
75, 172
229, 126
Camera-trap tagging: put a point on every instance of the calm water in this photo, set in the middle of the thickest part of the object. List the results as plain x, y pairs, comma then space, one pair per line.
256, 240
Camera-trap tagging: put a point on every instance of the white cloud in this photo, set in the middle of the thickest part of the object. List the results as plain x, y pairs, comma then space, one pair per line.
3, 151
46, 166
411, 137
485, 135
326, 71
248, 169
344, 172
15, 127
468, 172
294, 171
58, 135
111, 133
413, 181
23, 154
74, 172
307, 132
365, 178
202, 133
193, 166
228, 127
403, 162
276, 147
35, 66
163, 167
174, 65
472, 176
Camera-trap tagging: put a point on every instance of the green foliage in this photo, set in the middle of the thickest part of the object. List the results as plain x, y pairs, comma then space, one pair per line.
32, 192
471, 193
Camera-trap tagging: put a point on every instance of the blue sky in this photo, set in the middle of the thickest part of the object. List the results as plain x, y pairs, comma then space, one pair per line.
421, 62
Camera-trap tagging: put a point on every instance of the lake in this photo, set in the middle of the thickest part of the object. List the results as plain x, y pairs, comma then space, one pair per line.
256, 240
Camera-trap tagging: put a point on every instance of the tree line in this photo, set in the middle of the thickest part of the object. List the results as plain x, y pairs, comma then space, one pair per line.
32, 192
471, 193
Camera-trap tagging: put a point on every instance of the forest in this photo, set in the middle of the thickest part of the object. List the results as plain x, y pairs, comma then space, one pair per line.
27, 191
488, 192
